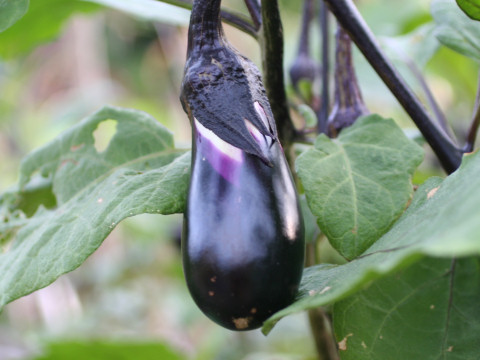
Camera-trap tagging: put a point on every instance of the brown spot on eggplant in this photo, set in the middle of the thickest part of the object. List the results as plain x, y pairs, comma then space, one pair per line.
241, 323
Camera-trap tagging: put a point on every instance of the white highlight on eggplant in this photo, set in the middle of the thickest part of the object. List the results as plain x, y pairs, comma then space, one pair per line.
229, 150
261, 113
262, 140
257, 135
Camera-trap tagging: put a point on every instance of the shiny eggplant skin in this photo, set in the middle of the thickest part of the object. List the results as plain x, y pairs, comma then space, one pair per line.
243, 238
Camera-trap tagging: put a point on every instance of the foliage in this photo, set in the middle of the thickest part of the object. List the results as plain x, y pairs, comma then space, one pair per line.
139, 172
410, 282
360, 183
441, 221
11, 11
440, 294
470, 7
455, 30
108, 350
40, 24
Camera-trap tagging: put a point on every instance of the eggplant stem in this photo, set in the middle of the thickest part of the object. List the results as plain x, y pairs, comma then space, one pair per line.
255, 11
472, 132
321, 327
236, 19
447, 152
272, 64
307, 16
320, 322
325, 102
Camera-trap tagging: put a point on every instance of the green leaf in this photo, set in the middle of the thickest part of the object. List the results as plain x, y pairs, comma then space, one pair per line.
442, 221
11, 11
152, 10
42, 23
139, 172
359, 184
456, 30
428, 311
310, 221
106, 350
470, 7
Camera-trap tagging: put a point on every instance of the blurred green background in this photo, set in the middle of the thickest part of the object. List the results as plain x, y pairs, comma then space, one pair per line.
129, 300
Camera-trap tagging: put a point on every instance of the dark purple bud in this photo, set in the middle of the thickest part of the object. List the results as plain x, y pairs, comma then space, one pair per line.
348, 104
304, 66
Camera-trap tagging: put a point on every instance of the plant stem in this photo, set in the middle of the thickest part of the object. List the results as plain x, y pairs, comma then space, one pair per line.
430, 98
472, 132
348, 16
304, 46
272, 63
235, 19
320, 323
255, 11
325, 103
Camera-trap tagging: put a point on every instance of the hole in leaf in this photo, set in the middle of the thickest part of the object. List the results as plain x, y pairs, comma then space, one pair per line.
103, 134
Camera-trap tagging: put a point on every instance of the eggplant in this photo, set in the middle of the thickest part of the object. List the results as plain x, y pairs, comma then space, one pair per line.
243, 236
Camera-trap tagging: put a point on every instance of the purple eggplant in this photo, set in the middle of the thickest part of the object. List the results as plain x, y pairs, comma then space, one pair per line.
243, 238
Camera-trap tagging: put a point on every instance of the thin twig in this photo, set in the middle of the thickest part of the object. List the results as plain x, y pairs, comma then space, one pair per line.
325, 103
321, 327
472, 132
320, 323
255, 11
233, 18
437, 112
240, 22
347, 14
272, 63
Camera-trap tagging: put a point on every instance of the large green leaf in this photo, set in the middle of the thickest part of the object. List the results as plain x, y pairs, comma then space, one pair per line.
456, 30
470, 7
42, 22
11, 11
108, 350
149, 10
442, 221
429, 311
139, 172
360, 183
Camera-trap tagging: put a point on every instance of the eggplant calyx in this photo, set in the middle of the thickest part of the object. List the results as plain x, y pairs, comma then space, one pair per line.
221, 88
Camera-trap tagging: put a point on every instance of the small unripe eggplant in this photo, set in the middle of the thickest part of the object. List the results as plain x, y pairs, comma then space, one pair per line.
243, 238
304, 67
348, 105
